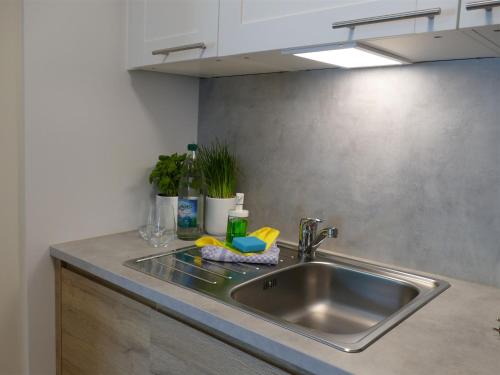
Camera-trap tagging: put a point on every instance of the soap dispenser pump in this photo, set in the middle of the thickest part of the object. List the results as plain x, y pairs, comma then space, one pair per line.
237, 220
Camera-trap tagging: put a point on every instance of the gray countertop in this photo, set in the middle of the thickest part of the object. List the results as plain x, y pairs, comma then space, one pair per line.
451, 335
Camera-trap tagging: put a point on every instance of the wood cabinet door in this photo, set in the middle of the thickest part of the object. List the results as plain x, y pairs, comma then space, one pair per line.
261, 25
103, 331
177, 348
485, 16
159, 24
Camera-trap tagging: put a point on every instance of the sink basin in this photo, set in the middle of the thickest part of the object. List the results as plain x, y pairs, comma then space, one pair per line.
327, 298
342, 302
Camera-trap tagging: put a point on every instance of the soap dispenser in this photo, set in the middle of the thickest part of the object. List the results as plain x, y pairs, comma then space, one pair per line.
237, 220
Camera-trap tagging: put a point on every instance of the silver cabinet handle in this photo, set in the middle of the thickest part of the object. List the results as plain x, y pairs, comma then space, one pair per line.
486, 5
167, 51
430, 13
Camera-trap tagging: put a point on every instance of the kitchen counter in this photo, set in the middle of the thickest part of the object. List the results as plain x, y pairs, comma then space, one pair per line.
451, 335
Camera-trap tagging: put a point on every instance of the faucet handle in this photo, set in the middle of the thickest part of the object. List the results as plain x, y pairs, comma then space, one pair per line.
307, 231
310, 225
308, 221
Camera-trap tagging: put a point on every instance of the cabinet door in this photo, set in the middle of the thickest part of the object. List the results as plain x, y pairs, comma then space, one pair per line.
179, 349
446, 20
261, 25
475, 13
159, 24
103, 331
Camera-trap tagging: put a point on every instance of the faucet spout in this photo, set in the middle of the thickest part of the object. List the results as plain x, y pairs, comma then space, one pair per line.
309, 239
329, 232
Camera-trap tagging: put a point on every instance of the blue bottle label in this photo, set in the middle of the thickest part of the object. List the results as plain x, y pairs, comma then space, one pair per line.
187, 213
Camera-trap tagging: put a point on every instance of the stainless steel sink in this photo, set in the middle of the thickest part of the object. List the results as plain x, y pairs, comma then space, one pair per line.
327, 298
341, 302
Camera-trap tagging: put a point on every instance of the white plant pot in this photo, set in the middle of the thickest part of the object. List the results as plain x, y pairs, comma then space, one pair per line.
168, 210
216, 215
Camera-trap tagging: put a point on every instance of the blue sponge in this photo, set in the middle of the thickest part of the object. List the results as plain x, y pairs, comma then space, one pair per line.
249, 244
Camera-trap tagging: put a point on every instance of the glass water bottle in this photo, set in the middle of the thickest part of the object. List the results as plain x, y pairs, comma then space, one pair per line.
191, 198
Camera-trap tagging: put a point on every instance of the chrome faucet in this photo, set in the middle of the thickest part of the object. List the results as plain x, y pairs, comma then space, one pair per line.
309, 239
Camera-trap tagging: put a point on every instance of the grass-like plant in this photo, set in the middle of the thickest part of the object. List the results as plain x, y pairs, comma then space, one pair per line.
220, 168
167, 173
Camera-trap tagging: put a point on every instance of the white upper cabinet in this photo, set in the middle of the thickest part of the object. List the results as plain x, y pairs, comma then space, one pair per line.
164, 31
446, 20
229, 37
262, 25
479, 13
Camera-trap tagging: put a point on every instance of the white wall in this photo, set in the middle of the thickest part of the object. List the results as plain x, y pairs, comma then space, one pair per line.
11, 288
92, 132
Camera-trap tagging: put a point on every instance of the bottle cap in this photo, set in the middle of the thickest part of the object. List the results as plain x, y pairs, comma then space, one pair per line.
192, 147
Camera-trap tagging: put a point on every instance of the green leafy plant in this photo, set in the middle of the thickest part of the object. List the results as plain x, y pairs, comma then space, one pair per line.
220, 168
167, 173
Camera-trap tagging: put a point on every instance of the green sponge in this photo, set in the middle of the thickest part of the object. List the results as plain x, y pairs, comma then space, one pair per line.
249, 244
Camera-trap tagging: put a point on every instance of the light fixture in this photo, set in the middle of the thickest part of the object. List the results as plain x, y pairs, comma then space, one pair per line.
348, 55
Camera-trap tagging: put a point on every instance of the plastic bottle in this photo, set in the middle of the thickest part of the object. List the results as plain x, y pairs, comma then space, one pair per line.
237, 220
191, 198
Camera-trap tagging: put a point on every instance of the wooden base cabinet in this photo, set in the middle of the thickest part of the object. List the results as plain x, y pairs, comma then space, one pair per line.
104, 331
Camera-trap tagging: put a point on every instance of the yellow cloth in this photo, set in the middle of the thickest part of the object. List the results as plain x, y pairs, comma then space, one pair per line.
266, 234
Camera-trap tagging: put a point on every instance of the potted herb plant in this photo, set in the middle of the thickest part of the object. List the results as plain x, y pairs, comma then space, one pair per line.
165, 177
219, 168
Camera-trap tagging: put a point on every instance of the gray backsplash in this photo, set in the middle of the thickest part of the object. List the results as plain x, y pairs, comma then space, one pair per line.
405, 161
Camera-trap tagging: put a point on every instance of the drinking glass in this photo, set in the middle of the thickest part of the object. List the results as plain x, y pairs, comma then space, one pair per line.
163, 228
148, 214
